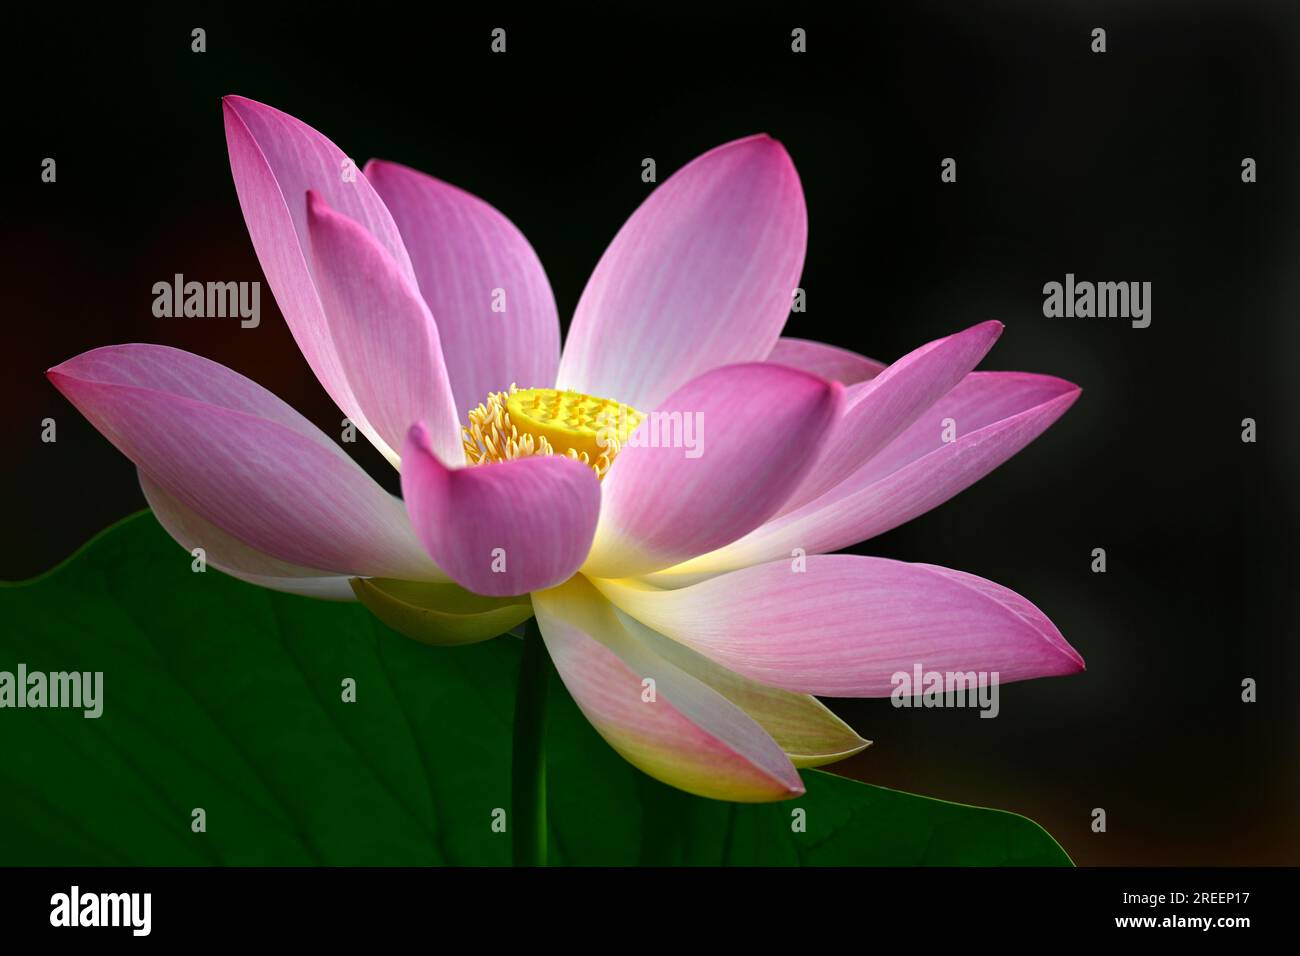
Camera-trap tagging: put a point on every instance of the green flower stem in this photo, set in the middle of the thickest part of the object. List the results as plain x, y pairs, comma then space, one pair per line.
528, 763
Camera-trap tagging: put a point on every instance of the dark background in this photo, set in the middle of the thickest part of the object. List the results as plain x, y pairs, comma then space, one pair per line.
1121, 166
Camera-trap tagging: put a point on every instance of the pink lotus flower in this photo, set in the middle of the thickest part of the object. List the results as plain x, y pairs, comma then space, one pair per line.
415, 302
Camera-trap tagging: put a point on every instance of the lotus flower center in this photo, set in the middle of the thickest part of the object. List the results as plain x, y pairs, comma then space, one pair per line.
546, 421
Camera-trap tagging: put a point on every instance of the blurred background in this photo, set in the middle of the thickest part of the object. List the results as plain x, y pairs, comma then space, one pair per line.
1122, 166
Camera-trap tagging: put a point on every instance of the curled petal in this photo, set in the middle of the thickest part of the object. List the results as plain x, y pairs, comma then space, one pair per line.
504, 528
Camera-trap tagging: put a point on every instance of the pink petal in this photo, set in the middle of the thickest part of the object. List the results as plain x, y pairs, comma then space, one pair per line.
275, 159
827, 361
982, 400
243, 460
505, 528
687, 735
880, 409
805, 728
846, 624
385, 338
996, 414
757, 428
229, 554
701, 275
463, 251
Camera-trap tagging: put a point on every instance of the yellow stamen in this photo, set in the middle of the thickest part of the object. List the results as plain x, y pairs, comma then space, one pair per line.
547, 421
